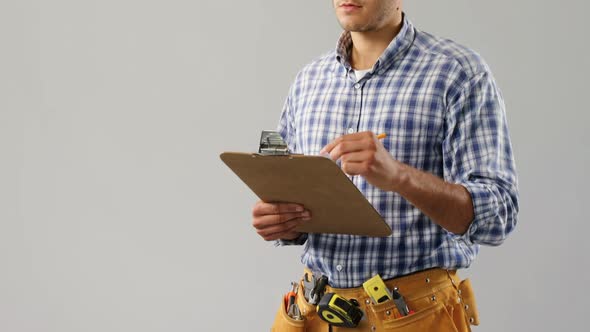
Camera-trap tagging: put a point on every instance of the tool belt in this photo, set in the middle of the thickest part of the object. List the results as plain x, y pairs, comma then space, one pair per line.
437, 301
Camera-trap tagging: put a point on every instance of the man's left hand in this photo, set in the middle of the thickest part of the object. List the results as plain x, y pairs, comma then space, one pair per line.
363, 154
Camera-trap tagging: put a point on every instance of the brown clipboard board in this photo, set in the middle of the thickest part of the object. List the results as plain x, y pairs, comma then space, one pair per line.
316, 182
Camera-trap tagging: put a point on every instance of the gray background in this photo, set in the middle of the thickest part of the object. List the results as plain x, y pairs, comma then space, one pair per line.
117, 215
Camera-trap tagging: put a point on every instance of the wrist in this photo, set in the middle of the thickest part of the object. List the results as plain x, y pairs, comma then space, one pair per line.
400, 177
300, 240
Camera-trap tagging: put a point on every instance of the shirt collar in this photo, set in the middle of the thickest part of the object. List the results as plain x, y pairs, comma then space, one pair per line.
394, 50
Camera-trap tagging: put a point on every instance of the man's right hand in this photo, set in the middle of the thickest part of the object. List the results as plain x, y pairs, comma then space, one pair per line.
274, 221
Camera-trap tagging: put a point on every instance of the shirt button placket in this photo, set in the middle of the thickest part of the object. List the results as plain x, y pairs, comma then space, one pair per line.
357, 86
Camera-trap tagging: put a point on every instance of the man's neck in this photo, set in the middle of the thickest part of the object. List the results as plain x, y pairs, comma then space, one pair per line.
368, 46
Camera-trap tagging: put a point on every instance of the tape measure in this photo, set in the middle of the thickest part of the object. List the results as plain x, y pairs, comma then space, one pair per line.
338, 311
377, 290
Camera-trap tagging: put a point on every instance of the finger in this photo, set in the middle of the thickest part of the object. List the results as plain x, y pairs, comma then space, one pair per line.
263, 208
352, 168
291, 235
326, 149
370, 134
286, 227
288, 234
360, 156
349, 137
351, 146
265, 221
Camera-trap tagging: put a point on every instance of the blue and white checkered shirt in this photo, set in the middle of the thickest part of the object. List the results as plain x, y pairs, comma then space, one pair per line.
443, 113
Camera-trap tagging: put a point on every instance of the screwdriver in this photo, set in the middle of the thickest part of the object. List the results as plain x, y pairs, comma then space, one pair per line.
400, 303
296, 312
290, 298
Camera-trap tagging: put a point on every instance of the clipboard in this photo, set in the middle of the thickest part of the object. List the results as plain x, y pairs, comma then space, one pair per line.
316, 182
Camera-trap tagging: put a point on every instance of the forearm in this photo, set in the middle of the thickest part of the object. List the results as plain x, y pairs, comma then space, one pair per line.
447, 204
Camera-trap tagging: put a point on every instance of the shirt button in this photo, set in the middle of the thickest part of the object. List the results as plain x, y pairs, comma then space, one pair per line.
350, 130
339, 268
357, 86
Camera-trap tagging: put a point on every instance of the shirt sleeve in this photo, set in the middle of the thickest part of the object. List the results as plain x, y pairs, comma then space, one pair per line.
287, 131
477, 154
286, 127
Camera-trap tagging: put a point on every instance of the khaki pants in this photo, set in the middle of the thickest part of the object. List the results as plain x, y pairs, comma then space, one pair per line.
440, 300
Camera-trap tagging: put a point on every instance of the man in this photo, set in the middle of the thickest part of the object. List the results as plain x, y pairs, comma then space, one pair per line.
444, 178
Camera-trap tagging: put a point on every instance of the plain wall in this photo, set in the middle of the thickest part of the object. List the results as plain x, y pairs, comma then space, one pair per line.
116, 213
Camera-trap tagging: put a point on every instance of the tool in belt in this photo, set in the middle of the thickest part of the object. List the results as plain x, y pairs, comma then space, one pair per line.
331, 307
339, 311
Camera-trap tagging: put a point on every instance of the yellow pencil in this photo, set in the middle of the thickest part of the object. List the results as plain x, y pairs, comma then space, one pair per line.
381, 136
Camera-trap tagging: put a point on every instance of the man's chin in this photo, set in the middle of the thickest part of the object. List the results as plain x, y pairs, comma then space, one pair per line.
352, 27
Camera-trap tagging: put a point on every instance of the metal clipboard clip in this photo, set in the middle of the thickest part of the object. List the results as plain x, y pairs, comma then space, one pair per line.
272, 144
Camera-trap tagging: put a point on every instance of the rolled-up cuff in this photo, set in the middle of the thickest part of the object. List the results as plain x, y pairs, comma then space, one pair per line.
485, 206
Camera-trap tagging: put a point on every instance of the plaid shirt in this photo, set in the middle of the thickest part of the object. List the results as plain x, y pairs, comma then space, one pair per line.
443, 113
